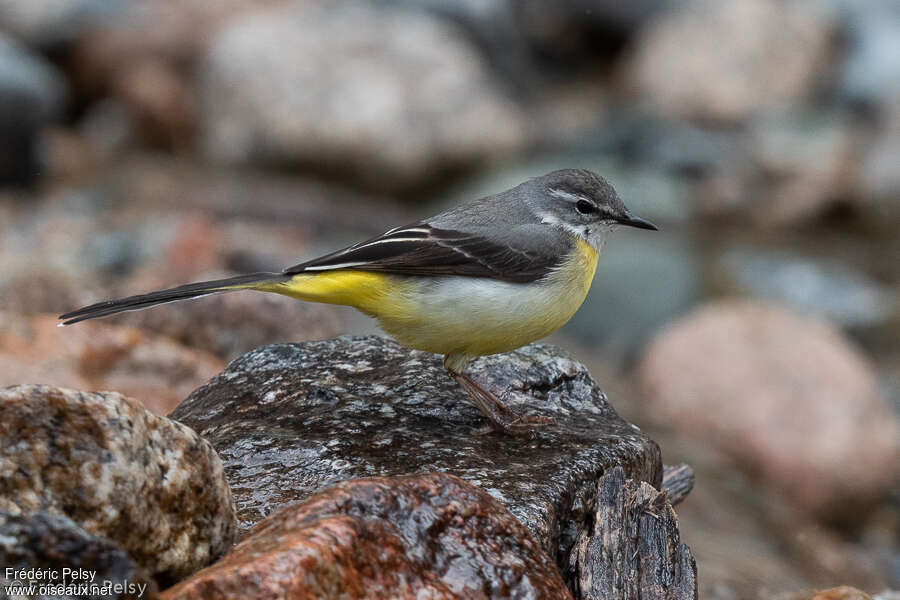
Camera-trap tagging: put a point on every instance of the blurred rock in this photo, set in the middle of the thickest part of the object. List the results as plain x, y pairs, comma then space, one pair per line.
53, 542
804, 159
786, 396
51, 23
151, 485
290, 419
871, 51
387, 96
716, 60
831, 290
146, 80
633, 550
31, 94
422, 536
879, 177
228, 325
841, 593
625, 305
96, 355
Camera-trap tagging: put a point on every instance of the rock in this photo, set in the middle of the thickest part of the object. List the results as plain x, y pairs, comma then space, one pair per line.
633, 549
52, 543
97, 355
785, 396
290, 419
424, 536
31, 94
803, 160
51, 23
841, 593
679, 69
150, 485
228, 325
827, 289
622, 317
385, 95
871, 51
879, 181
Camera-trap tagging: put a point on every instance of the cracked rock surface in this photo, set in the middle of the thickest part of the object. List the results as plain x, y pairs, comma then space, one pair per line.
290, 419
422, 536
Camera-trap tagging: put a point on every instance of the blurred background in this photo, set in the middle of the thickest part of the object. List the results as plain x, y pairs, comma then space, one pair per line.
147, 143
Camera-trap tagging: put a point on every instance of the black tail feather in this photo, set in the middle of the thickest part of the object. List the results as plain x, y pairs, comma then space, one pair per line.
182, 292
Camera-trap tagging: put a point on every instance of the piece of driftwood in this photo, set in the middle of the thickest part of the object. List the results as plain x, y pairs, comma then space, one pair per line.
677, 482
634, 551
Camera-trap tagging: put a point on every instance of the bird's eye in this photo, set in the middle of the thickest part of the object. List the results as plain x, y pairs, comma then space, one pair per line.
585, 207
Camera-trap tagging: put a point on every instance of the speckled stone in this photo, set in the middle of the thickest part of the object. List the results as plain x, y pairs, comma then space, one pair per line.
149, 484
290, 419
52, 543
423, 536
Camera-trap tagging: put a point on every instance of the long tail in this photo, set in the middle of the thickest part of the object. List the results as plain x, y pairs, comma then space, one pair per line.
182, 292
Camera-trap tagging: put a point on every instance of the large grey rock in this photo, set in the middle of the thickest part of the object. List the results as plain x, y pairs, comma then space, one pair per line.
290, 419
51, 543
151, 485
387, 95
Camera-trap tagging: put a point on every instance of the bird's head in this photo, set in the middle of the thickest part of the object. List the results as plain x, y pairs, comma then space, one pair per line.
583, 203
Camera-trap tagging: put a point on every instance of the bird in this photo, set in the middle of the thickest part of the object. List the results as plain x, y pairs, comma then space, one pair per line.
481, 278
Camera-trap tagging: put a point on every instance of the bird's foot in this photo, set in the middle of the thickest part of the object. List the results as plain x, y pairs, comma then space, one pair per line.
502, 418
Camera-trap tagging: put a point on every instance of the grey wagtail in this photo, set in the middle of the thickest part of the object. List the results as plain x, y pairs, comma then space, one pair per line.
482, 278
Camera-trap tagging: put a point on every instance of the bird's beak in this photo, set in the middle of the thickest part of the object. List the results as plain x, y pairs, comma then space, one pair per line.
638, 222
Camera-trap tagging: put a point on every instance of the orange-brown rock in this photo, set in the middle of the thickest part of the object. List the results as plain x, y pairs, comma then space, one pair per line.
96, 355
786, 396
424, 536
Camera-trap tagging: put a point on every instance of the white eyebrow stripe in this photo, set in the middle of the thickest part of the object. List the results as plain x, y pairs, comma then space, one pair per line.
564, 195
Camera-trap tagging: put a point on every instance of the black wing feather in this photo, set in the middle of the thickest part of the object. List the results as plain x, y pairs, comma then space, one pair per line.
424, 250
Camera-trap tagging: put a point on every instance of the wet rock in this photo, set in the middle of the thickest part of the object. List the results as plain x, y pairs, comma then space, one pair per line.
53, 543
431, 535
290, 419
785, 396
230, 324
151, 485
830, 290
385, 95
633, 549
97, 355
31, 94
679, 68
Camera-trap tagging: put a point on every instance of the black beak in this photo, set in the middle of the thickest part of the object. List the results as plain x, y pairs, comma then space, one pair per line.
637, 222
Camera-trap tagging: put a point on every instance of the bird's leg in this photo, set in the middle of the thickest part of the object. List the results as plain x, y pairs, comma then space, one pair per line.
501, 416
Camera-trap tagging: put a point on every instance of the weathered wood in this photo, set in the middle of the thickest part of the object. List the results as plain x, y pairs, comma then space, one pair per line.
634, 551
677, 482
